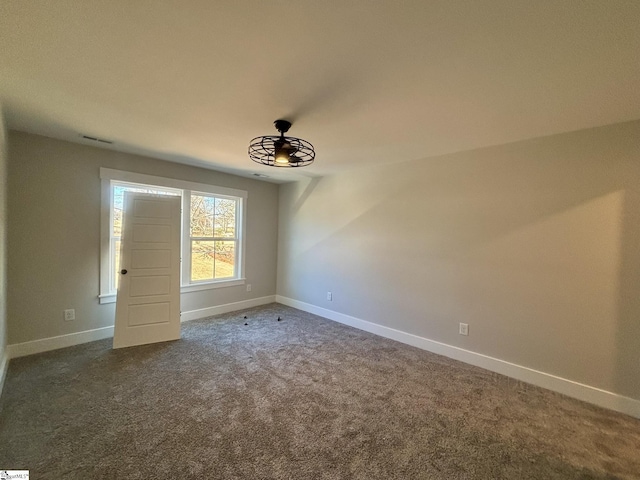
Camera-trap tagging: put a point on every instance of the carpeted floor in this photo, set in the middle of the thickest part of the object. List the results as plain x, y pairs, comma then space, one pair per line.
303, 398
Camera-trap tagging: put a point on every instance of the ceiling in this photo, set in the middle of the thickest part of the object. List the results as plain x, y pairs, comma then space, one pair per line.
365, 81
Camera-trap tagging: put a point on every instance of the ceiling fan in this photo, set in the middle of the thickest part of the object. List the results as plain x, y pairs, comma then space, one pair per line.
281, 151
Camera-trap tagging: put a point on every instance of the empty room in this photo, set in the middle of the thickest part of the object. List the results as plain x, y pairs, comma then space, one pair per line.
320, 240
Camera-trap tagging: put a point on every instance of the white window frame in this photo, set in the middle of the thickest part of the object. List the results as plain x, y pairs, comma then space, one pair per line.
109, 177
187, 238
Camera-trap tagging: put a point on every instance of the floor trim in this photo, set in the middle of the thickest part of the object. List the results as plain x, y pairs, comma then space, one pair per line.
226, 308
61, 341
602, 398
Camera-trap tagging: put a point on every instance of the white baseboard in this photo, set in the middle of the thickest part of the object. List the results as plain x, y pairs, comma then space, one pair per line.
226, 308
4, 365
62, 341
567, 387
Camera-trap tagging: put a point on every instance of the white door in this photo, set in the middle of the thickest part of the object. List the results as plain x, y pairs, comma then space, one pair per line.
148, 303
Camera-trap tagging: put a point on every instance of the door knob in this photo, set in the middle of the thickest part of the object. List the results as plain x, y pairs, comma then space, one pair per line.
123, 271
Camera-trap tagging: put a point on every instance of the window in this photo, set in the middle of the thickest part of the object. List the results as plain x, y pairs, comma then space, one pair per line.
212, 240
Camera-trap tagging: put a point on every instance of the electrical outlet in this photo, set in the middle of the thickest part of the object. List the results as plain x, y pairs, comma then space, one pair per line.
69, 315
248, 287
464, 329
330, 296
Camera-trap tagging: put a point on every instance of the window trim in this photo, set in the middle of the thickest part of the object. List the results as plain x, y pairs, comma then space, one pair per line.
107, 175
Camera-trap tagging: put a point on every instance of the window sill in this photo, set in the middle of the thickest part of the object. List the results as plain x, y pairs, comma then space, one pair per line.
196, 287
107, 298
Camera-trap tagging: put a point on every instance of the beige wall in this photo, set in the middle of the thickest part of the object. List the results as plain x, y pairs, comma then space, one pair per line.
54, 234
3, 242
536, 245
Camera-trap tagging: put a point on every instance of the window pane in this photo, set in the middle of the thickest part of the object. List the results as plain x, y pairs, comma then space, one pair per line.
212, 260
116, 261
225, 259
225, 218
202, 260
117, 221
118, 204
202, 209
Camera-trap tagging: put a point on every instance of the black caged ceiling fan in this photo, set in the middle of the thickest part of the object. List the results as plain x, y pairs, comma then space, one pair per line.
281, 151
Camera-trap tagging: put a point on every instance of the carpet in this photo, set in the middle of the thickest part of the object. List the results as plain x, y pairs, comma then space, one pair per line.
299, 398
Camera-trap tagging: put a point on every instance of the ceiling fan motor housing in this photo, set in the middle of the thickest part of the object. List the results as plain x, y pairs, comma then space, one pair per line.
282, 126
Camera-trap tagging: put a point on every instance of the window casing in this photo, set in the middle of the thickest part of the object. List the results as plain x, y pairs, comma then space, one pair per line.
212, 250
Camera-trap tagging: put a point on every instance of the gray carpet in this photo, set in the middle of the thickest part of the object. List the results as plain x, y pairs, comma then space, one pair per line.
303, 398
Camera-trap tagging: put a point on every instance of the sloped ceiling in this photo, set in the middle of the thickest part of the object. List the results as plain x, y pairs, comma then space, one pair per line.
366, 81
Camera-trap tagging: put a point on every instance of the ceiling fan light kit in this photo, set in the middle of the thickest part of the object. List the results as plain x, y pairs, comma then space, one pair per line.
281, 151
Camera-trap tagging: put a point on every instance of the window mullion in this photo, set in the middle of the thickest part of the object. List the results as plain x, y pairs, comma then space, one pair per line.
214, 239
